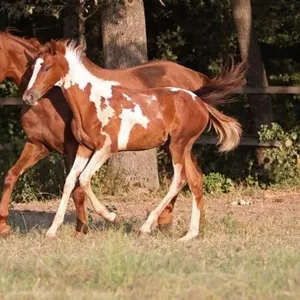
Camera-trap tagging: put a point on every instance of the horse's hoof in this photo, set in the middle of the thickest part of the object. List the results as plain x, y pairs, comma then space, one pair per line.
50, 235
82, 229
143, 234
5, 230
188, 237
117, 220
166, 229
77, 234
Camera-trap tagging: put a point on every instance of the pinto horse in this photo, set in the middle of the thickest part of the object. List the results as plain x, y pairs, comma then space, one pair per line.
109, 118
48, 123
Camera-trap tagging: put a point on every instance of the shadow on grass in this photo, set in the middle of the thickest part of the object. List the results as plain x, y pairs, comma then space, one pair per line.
26, 220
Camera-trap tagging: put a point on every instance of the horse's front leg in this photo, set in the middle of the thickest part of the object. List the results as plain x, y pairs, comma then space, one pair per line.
78, 193
33, 151
81, 160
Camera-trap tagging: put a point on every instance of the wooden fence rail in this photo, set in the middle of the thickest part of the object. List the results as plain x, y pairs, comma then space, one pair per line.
244, 90
203, 140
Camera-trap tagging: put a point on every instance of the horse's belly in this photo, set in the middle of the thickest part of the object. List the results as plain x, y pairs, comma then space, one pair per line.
142, 138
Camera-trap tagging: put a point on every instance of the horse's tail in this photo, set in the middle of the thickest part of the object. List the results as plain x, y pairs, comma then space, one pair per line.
228, 129
216, 89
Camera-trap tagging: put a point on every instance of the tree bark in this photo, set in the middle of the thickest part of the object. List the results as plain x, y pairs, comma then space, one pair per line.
74, 21
261, 105
124, 45
71, 20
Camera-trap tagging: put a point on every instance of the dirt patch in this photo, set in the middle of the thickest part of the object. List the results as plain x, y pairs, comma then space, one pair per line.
26, 216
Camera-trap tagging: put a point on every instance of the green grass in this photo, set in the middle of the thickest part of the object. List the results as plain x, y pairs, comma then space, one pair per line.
257, 259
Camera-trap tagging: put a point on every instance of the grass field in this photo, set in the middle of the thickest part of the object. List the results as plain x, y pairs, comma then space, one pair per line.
240, 255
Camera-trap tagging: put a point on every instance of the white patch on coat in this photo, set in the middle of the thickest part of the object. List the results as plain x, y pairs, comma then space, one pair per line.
129, 118
78, 74
105, 114
150, 99
173, 89
127, 97
37, 67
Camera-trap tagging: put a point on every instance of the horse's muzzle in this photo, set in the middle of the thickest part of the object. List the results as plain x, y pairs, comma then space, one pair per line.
30, 97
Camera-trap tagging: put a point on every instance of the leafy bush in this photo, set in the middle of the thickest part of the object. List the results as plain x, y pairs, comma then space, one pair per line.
216, 183
282, 163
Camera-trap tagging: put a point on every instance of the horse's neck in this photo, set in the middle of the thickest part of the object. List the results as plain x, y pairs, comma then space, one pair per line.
74, 103
20, 52
81, 74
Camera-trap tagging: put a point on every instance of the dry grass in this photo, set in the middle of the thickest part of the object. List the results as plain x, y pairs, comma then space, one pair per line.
249, 259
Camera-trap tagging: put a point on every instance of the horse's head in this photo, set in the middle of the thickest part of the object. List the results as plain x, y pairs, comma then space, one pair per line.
5, 60
16, 56
50, 68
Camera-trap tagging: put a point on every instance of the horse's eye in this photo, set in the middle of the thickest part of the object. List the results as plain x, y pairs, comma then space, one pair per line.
46, 68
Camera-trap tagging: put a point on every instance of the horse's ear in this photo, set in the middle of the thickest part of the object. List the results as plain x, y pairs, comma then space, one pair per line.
57, 47
39, 48
35, 43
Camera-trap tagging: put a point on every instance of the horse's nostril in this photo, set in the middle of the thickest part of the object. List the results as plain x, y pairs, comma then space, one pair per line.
28, 97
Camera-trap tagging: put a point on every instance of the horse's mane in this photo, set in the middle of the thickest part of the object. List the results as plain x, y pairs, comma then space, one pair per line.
29, 43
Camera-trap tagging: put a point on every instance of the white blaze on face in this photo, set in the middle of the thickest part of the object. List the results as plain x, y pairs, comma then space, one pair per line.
37, 67
129, 118
173, 89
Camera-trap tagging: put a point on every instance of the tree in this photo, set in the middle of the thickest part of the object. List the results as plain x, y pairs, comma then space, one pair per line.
70, 19
124, 45
261, 105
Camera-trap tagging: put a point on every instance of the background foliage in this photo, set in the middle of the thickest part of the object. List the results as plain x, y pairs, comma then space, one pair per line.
198, 34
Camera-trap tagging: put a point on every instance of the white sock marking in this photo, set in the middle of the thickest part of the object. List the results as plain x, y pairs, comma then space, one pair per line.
174, 189
194, 223
79, 164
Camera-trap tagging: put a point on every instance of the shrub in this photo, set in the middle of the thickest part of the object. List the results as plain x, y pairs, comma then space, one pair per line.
282, 163
216, 183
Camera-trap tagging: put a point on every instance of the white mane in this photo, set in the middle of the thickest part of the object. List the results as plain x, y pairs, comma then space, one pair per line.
80, 75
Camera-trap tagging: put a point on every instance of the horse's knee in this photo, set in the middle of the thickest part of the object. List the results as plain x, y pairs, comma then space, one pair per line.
10, 179
84, 182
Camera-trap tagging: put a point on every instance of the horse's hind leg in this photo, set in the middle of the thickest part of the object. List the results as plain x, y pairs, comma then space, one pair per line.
195, 182
178, 182
202, 210
166, 217
33, 151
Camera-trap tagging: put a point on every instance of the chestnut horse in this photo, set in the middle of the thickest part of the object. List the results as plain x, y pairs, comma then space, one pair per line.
109, 118
47, 124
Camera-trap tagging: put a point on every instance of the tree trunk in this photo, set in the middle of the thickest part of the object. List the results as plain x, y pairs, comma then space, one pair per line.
70, 19
261, 105
74, 21
124, 45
